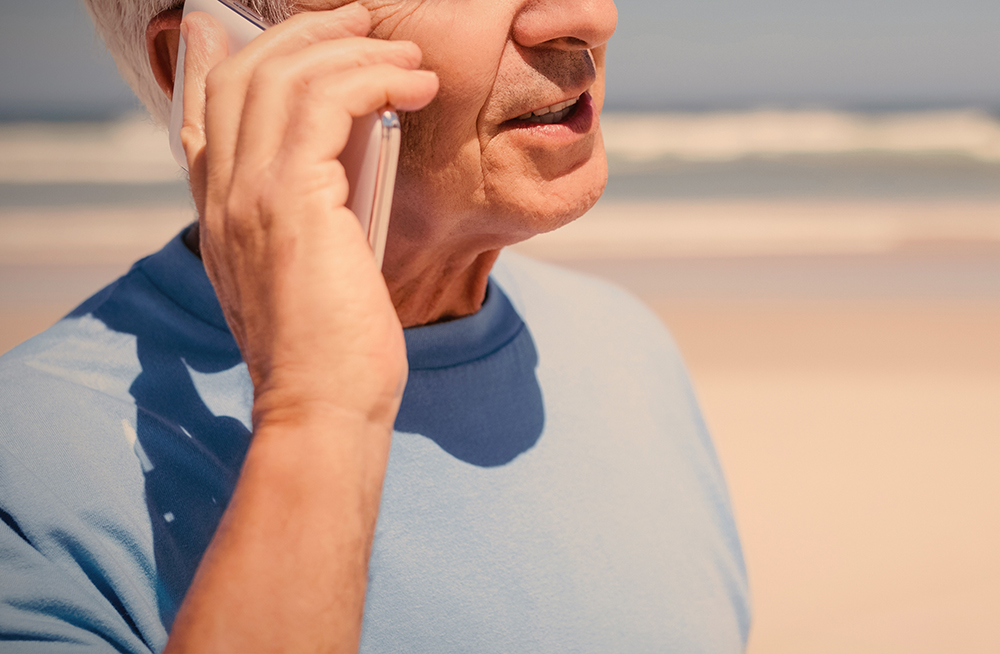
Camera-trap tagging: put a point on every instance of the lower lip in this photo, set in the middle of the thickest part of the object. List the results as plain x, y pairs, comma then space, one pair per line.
577, 124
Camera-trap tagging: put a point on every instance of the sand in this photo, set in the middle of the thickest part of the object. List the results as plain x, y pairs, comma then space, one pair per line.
860, 441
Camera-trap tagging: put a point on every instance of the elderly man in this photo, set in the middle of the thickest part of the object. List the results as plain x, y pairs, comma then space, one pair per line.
255, 441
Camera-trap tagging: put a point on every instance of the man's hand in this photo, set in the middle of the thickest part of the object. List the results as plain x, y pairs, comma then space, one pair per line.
312, 317
288, 260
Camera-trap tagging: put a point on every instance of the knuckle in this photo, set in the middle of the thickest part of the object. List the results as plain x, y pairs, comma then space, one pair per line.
267, 203
239, 202
336, 173
215, 81
356, 18
191, 136
253, 199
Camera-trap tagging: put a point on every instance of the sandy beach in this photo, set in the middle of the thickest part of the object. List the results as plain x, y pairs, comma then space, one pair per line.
860, 442
844, 347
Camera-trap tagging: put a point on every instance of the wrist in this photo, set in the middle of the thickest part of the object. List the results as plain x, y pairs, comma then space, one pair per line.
325, 452
354, 409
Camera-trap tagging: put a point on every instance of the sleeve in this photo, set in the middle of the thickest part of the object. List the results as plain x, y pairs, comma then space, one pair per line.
76, 573
44, 609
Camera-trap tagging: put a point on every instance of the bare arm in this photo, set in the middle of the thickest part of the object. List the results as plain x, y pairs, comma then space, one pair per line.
287, 567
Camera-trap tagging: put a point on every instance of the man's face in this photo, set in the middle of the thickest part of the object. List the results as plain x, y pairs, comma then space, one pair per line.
471, 170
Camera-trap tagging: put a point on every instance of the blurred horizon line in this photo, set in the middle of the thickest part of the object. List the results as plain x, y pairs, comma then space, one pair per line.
101, 114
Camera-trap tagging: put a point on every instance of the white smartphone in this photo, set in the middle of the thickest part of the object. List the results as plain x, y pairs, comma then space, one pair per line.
372, 151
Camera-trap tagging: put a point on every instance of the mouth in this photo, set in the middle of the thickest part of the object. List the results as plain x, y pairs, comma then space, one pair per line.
574, 113
555, 113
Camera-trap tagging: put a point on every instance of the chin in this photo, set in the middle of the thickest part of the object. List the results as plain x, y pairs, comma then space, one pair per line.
546, 205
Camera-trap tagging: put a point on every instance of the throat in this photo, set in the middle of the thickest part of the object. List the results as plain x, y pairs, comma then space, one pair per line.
439, 293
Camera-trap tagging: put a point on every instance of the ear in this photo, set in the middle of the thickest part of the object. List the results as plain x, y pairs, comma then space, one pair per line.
163, 35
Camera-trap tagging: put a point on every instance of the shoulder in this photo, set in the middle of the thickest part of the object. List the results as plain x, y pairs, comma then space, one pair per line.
65, 402
600, 346
582, 309
68, 413
80, 354
529, 280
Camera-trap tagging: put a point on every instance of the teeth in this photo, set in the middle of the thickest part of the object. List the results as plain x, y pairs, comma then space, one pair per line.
549, 112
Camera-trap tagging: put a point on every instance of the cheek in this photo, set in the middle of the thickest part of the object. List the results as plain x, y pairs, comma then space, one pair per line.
461, 43
440, 170
440, 163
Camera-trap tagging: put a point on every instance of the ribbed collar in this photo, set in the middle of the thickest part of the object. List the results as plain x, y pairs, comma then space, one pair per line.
180, 275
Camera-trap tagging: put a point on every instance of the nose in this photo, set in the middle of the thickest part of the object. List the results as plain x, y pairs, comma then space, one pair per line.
565, 24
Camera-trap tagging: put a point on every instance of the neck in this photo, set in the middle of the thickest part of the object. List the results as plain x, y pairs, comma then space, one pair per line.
437, 290
426, 289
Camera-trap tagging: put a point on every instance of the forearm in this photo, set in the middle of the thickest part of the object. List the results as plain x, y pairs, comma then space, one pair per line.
287, 568
310, 311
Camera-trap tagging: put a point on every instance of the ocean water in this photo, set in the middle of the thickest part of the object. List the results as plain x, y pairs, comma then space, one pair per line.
805, 154
851, 175
755, 155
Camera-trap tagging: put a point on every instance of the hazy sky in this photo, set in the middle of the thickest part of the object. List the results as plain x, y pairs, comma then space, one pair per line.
666, 54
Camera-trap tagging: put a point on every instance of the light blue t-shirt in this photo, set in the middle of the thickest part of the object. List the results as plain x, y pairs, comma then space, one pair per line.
551, 486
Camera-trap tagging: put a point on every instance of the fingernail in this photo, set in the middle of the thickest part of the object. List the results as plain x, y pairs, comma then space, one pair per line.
184, 33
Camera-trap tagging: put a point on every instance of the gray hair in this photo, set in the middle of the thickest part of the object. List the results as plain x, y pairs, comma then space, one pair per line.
122, 25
